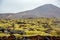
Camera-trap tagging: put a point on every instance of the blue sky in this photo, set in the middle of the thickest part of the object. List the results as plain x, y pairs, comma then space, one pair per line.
14, 6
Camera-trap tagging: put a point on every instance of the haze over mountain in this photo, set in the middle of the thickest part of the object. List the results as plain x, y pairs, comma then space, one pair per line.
47, 10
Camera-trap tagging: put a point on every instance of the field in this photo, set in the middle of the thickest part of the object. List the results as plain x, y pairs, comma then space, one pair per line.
30, 27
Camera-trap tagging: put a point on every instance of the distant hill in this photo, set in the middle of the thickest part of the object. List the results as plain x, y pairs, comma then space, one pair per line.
47, 10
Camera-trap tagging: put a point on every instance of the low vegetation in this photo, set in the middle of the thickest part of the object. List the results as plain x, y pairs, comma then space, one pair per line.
30, 27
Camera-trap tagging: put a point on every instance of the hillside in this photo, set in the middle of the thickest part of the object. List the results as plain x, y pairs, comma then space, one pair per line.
47, 10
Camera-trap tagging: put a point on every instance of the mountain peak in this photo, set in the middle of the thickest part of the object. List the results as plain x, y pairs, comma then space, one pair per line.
47, 10
50, 5
47, 6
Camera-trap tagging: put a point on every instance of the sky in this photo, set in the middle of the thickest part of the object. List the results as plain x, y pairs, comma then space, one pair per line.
14, 6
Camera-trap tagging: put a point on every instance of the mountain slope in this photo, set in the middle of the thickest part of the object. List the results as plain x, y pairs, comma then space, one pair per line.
47, 10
